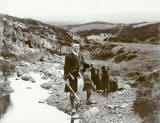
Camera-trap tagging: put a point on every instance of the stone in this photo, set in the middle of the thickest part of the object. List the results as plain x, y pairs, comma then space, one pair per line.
75, 116
9, 89
92, 112
26, 77
19, 74
45, 77
42, 101
17, 78
46, 85
116, 49
5, 87
32, 80
112, 107
124, 105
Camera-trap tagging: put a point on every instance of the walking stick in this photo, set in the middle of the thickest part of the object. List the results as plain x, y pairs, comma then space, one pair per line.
75, 95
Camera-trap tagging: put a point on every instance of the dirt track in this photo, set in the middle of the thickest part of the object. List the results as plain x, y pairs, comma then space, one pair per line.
117, 107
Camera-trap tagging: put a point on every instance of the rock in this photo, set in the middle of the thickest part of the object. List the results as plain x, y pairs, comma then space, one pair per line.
132, 83
117, 49
112, 107
32, 80
43, 59
121, 50
8, 89
19, 74
26, 77
131, 56
46, 85
17, 78
75, 116
45, 77
23, 63
5, 87
42, 101
120, 58
47, 74
124, 105
91, 112
3, 84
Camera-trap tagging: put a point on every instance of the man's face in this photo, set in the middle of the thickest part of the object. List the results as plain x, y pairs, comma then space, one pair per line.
76, 48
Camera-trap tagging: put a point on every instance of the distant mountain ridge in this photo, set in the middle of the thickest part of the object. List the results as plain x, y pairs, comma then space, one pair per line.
144, 32
92, 25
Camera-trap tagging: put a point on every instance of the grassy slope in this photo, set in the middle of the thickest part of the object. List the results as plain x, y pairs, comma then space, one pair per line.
147, 60
142, 69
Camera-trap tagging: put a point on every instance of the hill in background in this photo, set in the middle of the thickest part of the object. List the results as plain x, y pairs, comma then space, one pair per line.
143, 32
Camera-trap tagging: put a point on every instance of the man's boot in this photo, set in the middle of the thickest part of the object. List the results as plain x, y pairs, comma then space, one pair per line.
72, 99
89, 101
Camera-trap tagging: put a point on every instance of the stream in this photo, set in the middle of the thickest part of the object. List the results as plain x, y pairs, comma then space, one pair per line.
22, 106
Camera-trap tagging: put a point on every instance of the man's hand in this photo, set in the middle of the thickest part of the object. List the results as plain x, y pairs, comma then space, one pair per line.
71, 76
80, 75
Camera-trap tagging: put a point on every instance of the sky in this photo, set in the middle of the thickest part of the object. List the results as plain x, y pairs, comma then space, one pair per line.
82, 11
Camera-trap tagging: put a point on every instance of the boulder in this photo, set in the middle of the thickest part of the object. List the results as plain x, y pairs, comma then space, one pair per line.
46, 85
26, 77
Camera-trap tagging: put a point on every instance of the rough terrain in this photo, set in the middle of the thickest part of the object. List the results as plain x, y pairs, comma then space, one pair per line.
32, 46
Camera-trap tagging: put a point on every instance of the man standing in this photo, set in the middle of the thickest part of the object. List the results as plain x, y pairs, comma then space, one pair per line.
74, 65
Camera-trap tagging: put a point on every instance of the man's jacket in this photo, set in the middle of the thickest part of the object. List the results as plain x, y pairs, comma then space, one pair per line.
73, 65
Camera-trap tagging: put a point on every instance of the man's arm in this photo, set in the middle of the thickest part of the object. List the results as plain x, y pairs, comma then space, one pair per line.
66, 68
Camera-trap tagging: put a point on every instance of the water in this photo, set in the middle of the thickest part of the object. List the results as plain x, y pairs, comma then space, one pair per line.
22, 105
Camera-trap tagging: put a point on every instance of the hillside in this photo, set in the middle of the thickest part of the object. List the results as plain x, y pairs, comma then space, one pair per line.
35, 34
143, 32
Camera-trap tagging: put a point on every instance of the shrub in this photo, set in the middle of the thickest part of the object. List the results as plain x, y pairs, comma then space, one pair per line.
147, 100
7, 68
102, 55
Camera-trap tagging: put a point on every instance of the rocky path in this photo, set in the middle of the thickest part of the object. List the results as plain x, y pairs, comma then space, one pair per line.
116, 108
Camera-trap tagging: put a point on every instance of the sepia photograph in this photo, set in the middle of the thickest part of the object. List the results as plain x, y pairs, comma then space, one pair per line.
79, 61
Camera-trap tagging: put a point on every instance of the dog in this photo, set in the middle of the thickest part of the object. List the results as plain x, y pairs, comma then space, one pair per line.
105, 79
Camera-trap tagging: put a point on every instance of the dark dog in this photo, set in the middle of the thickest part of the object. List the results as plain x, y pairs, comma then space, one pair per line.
105, 79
